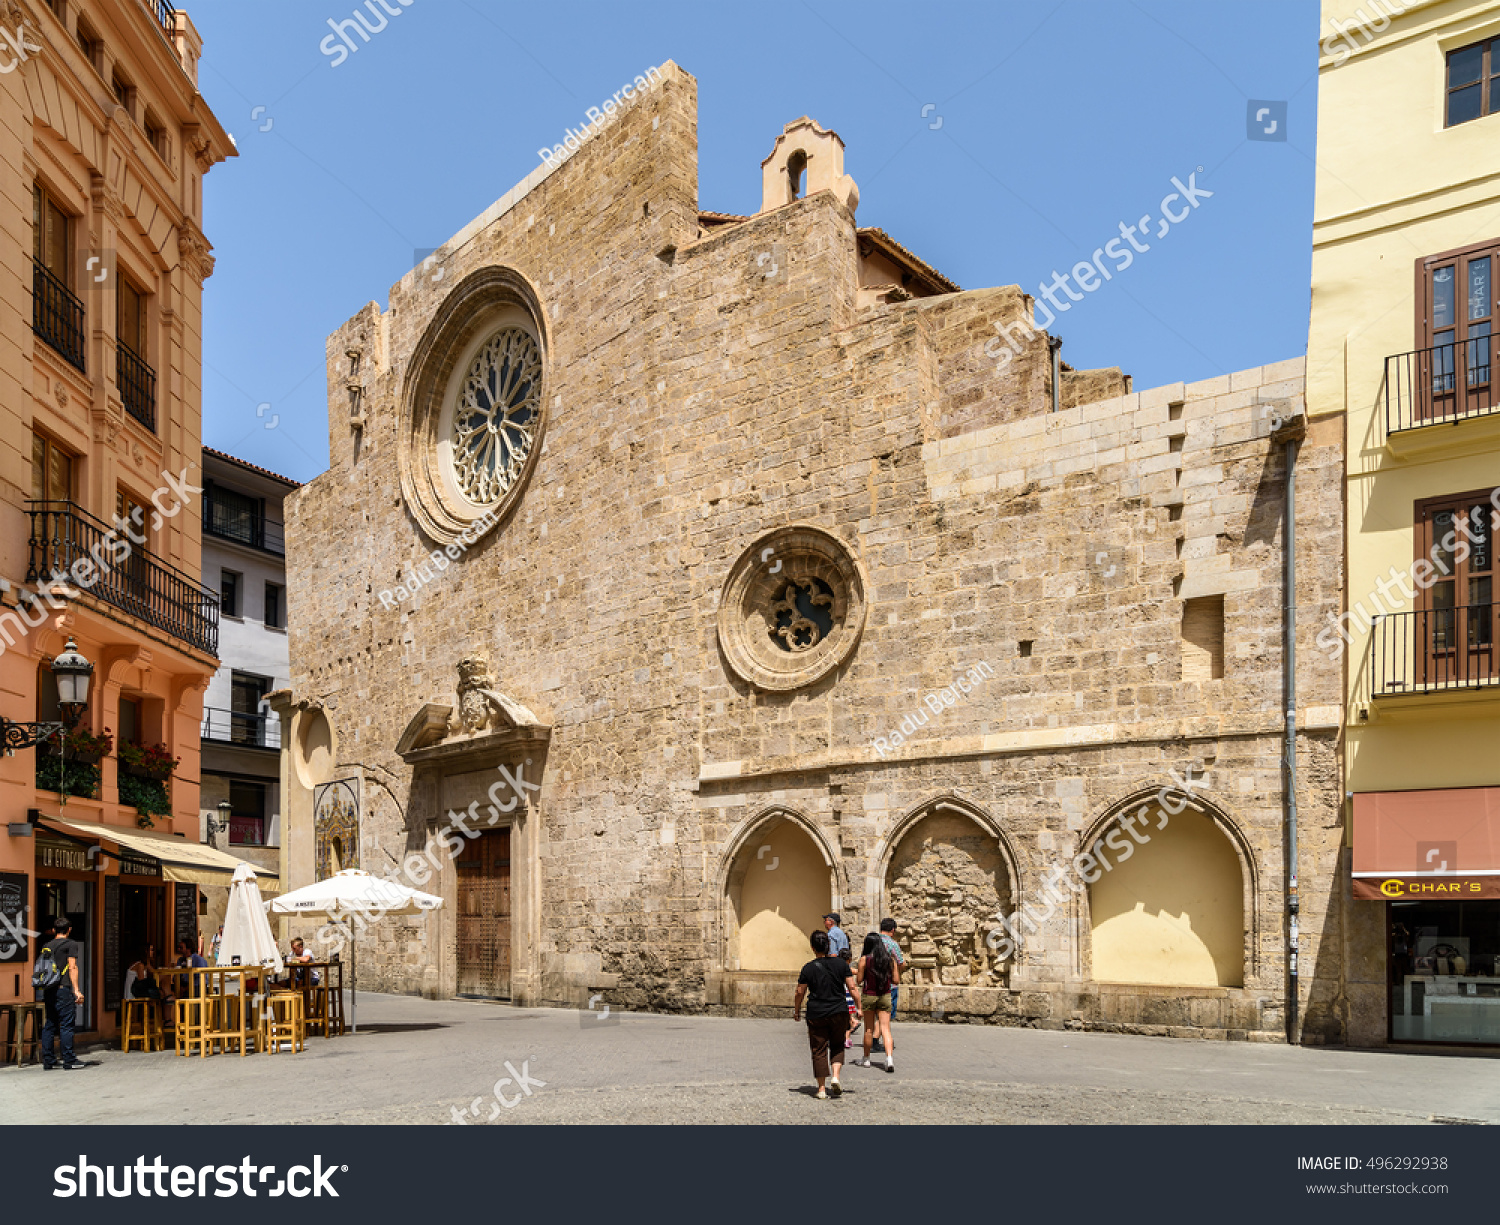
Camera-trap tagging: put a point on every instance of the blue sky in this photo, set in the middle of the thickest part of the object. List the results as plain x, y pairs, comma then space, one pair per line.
1055, 123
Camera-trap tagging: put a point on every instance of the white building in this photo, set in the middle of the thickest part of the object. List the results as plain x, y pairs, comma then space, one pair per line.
244, 560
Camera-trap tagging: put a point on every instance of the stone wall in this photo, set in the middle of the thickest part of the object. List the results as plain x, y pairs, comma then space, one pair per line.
697, 403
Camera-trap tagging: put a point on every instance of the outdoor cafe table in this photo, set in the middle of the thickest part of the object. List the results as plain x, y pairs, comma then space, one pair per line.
213, 982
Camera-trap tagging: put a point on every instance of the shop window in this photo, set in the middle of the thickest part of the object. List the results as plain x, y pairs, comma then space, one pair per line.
1445, 971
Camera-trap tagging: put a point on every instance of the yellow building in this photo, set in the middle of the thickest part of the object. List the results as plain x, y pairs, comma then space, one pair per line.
1406, 244
105, 140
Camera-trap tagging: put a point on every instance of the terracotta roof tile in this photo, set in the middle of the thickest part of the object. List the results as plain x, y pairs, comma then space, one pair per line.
244, 463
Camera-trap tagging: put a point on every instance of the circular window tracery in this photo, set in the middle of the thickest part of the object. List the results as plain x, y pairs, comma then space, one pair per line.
474, 406
792, 609
495, 414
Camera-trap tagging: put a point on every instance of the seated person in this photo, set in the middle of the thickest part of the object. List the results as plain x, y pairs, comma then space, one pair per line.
300, 954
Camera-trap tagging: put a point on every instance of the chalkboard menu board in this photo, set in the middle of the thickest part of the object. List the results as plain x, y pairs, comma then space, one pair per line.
112, 969
186, 925
13, 892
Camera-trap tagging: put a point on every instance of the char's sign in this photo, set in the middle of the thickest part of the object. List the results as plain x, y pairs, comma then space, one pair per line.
1372, 887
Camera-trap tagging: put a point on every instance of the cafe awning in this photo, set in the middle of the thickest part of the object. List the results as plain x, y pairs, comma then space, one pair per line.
189, 863
1427, 845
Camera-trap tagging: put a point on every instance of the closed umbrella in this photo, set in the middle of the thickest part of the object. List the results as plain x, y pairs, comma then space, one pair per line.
247, 939
354, 894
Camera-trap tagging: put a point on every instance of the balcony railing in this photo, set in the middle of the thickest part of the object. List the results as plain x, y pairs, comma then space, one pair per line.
165, 14
229, 521
1435, 650
118, 571
137, 383
56, 314
1440, 385
256, 731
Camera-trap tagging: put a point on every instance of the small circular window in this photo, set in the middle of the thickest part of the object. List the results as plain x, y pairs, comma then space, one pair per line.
475, 408
792, 609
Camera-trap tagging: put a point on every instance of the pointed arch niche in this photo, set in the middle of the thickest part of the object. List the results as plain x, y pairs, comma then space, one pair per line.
948, 872
779, 885
1171, 911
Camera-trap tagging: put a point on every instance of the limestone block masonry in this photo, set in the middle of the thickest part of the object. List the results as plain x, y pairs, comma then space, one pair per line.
1117, 565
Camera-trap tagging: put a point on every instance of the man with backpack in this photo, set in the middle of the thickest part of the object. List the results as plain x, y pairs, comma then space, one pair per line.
56, 975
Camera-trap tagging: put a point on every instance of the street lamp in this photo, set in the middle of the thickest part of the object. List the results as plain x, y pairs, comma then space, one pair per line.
215, 828
72, 671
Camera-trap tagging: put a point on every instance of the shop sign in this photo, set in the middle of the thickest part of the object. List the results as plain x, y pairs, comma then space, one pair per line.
139, 865
1423, 888
62, 855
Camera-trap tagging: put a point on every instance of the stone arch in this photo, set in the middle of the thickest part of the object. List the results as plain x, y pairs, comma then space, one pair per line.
1176, 904
946, 871
779, 878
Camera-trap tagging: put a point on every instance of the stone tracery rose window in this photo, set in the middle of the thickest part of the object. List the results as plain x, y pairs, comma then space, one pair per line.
495, 414
792, 609
474, 406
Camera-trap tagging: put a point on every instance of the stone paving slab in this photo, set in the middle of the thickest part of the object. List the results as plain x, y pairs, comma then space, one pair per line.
418, 1061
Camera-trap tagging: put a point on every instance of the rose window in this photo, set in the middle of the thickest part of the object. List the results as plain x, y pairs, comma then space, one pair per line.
803, 614
495, 415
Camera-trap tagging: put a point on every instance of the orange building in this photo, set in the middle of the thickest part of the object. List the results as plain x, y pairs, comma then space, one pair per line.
106, 140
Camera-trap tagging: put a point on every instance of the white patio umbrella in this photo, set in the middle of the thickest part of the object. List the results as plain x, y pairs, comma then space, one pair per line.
247, 937
353, 894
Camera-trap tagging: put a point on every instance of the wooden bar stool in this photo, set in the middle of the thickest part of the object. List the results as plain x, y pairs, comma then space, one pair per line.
334, 995
282, 1020
141, 1022
316, 1005
26, 1035
226, 1026
194, 1025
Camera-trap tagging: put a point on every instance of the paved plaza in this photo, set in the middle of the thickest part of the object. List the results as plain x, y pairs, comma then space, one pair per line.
423, 1061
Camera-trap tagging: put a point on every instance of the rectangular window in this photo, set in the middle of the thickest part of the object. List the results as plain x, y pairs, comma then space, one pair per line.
1203, 639
274, 611
51, 471
124, 91
1456, 317
49, 234
156, 133
229, 593
130, 318
247, 721
90, 44
1473, 82
1456, 614
130, 721
247, 813
234, 516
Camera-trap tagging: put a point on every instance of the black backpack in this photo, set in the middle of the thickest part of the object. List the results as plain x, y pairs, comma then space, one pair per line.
46, 975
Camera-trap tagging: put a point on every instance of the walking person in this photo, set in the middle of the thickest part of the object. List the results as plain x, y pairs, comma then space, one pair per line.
876, 973
838, 946
61, 996
823, 984
888, 938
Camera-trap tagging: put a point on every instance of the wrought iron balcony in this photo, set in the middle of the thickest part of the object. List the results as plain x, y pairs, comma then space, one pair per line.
1441, 385
1435, 650
253, 730
228, 519
137, 384
56, 314
70, 546
165, 14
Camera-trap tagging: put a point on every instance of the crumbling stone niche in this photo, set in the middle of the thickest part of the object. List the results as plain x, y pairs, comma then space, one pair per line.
946, 882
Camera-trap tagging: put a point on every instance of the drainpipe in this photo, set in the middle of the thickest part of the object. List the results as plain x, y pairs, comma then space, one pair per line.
1055, 344
1289, 763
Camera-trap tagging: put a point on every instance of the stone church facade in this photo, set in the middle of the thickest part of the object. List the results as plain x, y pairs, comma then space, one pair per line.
681, 576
